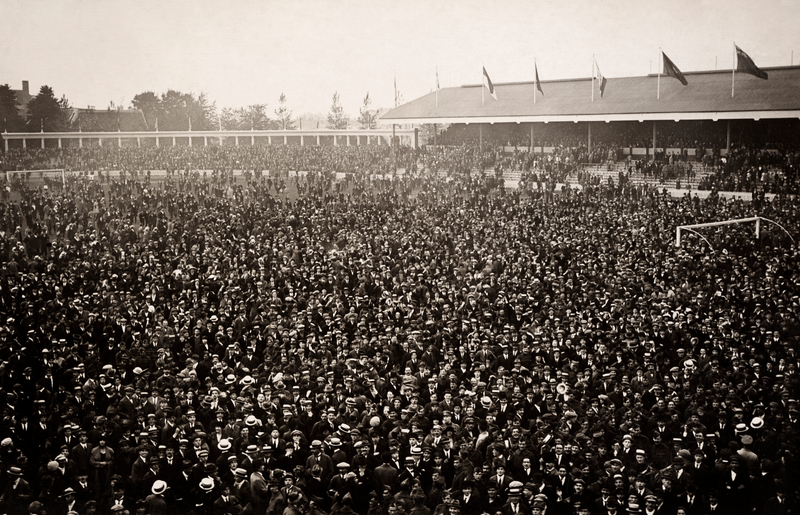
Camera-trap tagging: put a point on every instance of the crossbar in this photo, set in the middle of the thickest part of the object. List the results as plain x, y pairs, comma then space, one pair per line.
756, 219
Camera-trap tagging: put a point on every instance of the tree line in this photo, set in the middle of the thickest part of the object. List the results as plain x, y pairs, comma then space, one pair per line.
169, 111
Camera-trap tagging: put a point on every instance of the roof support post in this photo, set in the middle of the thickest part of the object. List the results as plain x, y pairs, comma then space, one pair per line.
589, 140
531, 148
728, 138
654, 140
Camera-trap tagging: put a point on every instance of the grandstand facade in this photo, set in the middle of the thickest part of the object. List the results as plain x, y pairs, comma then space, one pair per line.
135, 138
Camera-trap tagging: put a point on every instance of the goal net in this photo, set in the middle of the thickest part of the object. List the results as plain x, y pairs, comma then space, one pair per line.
759, 223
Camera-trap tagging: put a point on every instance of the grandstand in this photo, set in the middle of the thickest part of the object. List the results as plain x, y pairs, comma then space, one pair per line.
637, 118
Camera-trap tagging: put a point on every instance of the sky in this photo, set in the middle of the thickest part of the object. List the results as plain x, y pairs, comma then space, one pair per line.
243, 52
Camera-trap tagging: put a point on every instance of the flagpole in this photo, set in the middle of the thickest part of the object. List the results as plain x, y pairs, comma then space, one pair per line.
658, 89
535, 81
593, 63
437, 86
483, 86
733, 70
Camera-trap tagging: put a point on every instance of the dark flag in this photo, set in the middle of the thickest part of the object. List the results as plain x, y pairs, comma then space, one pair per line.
601, 79
746, 65
488, 84
538, 84
672, 70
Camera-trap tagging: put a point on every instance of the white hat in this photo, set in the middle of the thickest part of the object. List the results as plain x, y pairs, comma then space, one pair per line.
159, 487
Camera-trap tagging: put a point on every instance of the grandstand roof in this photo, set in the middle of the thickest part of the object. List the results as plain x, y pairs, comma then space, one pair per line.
706, 97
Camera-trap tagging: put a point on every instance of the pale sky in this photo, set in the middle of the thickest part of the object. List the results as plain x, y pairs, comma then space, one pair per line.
245, 52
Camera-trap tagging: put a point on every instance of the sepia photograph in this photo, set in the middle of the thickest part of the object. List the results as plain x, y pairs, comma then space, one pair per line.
361, 257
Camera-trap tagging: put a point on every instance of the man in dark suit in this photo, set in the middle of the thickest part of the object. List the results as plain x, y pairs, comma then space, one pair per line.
691, 501
733, 487
385, 474
181, 488
18, 492
241, 486
68, 503
170, 465
502, 480
81, 452
259, 490
471, 503
515, 506
699, 472
779, 504
227, 503
126, 405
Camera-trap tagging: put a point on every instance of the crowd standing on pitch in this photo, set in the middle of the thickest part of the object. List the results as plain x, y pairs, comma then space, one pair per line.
421, 343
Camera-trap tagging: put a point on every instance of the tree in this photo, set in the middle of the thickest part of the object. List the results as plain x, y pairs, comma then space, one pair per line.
228, 119
149, 104
336, 116
202, 112
45, 112
368, 118
256, 117
10, 119
284, 114
177, 111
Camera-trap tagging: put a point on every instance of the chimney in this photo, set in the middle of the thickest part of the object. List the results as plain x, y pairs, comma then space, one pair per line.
25, 87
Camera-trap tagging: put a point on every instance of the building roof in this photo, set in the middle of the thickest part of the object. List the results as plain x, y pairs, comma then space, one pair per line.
23, 97
126, 120
707, 96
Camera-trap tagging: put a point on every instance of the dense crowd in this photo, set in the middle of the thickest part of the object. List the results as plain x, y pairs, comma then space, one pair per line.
290, 344
214, 158
763, 157
746, 168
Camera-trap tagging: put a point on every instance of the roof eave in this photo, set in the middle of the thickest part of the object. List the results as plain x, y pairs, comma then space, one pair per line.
608, 118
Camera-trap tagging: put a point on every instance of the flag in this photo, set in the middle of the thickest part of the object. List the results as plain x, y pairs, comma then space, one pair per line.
746, 65
672, 70
602, 80
437, 86
538, 84
489, 84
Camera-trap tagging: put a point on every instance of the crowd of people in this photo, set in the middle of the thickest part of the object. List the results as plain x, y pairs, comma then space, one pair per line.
294, 344
748, 167
215, 158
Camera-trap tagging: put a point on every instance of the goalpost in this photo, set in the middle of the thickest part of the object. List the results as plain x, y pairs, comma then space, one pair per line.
756, 219
50, 172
